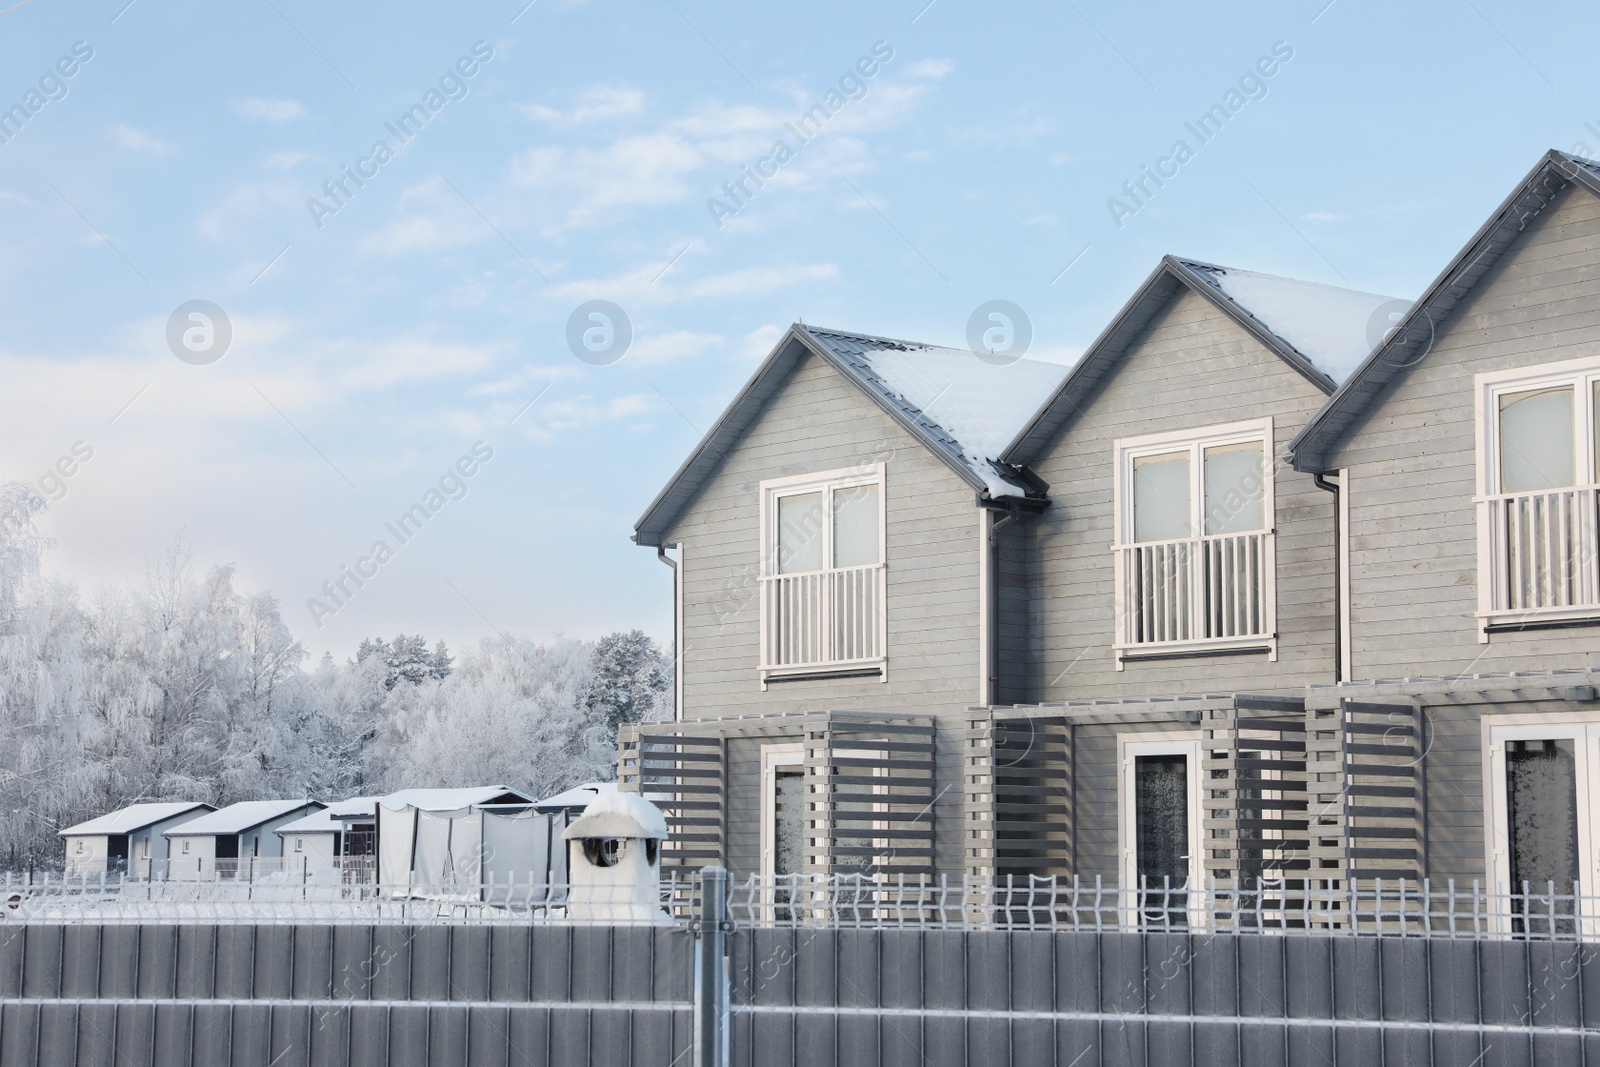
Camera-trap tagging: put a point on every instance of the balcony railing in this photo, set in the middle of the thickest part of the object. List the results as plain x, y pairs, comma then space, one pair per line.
1541, 553
1197, 592
822, 621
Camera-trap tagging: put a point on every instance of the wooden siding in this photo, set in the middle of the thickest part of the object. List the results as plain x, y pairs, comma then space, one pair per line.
1195, 367
1413, 527
819, 422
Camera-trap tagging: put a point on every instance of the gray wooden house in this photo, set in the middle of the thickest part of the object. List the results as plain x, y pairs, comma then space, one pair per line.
1467, 449
1281, 580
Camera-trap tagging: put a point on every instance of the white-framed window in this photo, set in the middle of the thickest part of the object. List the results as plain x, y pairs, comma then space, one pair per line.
186, 846
1542, 798
1159, 821
79, 849
298, 842
1194, 551
1538, 500
822, 574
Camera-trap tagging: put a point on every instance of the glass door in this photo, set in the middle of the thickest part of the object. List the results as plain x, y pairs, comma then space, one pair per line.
1543, 779
1160, 820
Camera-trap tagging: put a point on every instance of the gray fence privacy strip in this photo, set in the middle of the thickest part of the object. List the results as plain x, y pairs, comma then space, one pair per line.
775, 975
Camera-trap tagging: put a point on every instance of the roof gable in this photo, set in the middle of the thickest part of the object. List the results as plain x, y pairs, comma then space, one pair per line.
133, 818
961, 408
1318, 330
237, 818
1410, 340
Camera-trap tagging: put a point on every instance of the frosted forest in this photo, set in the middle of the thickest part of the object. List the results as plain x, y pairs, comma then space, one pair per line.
179, 686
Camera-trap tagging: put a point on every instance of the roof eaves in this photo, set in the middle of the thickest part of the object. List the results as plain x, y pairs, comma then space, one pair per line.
893, 410
734, 419
1554, 172
900, 415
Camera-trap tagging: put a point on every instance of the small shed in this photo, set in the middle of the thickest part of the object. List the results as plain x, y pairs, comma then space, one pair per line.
237, 840
127, 840
315, 842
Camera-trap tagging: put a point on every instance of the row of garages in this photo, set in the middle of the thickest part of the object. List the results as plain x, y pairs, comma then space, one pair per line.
486, 833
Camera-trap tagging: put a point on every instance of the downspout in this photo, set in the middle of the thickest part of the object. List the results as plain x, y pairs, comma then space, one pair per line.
677, 653
1326, 486
991, 607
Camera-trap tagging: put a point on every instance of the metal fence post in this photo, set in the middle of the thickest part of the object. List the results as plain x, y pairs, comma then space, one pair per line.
710, 971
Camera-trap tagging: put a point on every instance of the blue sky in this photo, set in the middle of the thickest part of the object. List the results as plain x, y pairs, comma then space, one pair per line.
374, 345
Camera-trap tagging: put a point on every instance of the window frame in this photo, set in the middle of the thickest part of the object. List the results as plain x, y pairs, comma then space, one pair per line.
1582, 376
1581, 727
1126, 450
772, 490
1130, 746
828, 482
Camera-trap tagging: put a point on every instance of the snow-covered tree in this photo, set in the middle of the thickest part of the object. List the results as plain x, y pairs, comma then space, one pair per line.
632, 680
181, 687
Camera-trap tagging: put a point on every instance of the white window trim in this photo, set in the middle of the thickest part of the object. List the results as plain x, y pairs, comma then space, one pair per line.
1196, 440
1581, 374
1130, 746
1584, 729
841, 478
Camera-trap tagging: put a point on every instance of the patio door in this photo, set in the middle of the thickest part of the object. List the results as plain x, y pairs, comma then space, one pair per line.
783, 806
1543, 777
1159, 822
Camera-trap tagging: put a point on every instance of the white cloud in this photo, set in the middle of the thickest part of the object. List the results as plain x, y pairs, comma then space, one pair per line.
277, 111
135, 140
247, 204
759, 342
595, 104
287, 160
432, 217
651, 348
547, 418
599, 185
647, 287
931, 68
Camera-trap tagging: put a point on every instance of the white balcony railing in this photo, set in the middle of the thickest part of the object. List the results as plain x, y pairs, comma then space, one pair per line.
1541, 554
1200, 592
822, 621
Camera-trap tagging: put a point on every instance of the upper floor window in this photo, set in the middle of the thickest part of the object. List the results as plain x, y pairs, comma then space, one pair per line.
822, 580
1194, 542
1537, 472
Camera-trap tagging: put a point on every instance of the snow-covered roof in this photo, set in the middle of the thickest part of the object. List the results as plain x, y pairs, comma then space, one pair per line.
133, 817
451, 799
237, 818
970, 407
318, 822
1333, 328
613, 813
353, 808
579, 796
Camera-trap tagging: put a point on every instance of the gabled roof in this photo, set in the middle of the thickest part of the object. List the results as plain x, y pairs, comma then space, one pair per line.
133, 817
353, 808
237, 818
318, 822
1412, 337
1319, 330
961, 408
452, 799
575, 799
